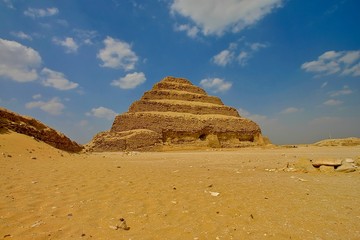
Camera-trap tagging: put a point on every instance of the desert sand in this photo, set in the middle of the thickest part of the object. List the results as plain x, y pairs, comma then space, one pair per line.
46, 193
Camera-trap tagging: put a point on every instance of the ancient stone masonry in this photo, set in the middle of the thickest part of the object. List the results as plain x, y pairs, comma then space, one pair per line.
34, 128
177, 113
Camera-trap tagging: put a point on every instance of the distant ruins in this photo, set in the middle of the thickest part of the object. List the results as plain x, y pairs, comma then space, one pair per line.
10, 121
177, 114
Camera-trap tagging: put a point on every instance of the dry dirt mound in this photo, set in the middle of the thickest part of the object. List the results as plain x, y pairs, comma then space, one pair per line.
338, 142
10, 121
177, 113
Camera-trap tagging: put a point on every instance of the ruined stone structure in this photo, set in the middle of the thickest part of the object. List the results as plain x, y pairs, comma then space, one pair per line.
177, 113
10, 121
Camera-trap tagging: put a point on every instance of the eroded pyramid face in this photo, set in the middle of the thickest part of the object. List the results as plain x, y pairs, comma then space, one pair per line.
177, 112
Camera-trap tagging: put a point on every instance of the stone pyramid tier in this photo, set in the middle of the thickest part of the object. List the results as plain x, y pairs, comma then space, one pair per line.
175, 113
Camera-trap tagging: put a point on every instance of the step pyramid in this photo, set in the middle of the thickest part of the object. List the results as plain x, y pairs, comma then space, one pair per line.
177, 113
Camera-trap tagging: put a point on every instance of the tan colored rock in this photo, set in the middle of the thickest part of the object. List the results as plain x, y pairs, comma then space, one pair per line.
326, 169
346, 167
140, 139
304, 165
352, 141
326, 162
175, 112
36, 129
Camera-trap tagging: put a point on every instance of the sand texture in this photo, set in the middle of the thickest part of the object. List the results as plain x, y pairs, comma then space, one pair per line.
46, 193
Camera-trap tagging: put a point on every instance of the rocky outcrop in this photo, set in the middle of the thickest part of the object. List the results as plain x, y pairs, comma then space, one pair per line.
345, 142
177, 113
324, 165
34, 128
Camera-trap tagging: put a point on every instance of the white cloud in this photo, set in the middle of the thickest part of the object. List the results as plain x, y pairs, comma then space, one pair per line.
53, 106
291, 110
18, 62
332, 62
223, 58
215, 84
102, 112
191, 31
333, 102
68, 43
21, 35
227, 56
56, 80
324, 84
9, 4
117, 54
257, 46
243, 58
130, 81
344, 91
39, 12
354, 70
217, 17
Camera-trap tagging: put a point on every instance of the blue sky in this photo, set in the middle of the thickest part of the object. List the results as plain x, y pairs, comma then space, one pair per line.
291, 66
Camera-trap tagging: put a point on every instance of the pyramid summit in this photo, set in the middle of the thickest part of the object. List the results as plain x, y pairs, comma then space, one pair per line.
177, 113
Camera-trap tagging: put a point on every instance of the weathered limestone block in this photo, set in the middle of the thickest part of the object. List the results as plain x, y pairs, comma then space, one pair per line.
326, 162
141, 139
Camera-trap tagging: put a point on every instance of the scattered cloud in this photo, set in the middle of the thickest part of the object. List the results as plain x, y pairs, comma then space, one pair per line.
291, 110
36, 96
332, 62
215, 17
68, 43
243, 58
56, 80
130, 81
102, 112
117, 54
191, 31
9, 4
53, 106
21, 35
215, 84
344, 91
41, 12
18, 62
86, 36
324, 84
224, 58
232, 53
257, 46
333, 102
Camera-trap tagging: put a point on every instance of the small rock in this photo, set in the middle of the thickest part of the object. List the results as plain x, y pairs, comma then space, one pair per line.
326, 169
346, 168
33, 158
214, 194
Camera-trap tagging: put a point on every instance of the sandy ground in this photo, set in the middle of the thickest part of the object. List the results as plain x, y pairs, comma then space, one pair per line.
49, 194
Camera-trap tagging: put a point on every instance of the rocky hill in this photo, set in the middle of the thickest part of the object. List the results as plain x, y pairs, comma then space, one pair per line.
177, 113
10, 121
